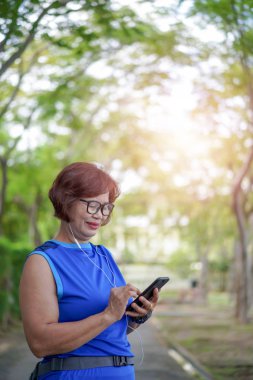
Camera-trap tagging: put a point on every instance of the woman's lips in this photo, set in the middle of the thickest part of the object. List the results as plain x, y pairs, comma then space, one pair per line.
93, 226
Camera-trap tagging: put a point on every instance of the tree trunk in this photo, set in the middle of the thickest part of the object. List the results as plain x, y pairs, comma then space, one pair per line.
34, 232
203, 284
6, 285
241, 304
3, 162
249, 281
242, 301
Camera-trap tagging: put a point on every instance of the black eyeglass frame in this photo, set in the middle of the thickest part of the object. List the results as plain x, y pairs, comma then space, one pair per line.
99, 207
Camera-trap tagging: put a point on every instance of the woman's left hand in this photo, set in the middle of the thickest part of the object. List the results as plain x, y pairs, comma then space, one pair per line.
147, 305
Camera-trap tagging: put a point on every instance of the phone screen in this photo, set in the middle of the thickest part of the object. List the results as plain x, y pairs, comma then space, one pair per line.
148, 292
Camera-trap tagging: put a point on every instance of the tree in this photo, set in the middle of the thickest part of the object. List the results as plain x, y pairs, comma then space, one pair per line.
55, 43
48, 50
231, 91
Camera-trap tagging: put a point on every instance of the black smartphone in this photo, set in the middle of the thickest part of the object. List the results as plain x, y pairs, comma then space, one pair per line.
148, 292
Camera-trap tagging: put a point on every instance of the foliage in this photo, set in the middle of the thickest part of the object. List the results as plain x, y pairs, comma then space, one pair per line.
181, 262
78, 79
12, 261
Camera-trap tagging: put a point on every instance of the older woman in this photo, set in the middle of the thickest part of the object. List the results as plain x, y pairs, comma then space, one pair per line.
73, 297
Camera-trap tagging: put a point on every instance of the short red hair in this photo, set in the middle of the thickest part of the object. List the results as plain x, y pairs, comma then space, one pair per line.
77, 180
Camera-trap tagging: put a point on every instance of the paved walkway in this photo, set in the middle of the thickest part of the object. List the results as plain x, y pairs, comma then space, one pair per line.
16, 361
157, 363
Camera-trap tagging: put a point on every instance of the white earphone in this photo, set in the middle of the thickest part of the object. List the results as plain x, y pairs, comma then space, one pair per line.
113, 284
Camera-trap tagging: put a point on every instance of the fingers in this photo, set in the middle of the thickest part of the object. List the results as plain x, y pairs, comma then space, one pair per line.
147, 305
155, 296
140, 310
132, 291
126, 291
119, 298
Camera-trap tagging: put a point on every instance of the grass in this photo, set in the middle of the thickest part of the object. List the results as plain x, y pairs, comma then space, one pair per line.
210, 334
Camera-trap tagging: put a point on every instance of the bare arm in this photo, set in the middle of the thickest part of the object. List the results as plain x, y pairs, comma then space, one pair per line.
40, 313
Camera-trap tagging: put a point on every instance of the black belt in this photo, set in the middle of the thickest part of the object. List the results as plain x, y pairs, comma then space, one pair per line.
83, 362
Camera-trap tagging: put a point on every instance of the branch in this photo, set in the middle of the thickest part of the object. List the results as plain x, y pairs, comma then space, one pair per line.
244, 57
21, 76
3, 165
13, 22
17, 139
14, 93
29, 38
78, 136
242, 173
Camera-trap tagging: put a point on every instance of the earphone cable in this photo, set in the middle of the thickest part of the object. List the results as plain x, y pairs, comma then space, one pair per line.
140, 341
113, 285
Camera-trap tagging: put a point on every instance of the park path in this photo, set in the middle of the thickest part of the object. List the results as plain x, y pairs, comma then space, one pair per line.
157, 363
16, 360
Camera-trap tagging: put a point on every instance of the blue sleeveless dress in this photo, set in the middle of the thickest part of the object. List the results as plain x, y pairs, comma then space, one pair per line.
83, 290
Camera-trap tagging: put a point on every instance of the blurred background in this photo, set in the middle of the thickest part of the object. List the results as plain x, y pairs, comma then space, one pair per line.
161, 94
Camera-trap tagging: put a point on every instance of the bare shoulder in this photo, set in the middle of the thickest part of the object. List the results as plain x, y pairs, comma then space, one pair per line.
37, 270
37, 279
38, 296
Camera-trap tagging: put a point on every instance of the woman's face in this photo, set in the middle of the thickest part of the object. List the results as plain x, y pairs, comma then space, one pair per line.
83, 224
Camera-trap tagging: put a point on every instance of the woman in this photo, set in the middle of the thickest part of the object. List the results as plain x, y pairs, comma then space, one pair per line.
73, 297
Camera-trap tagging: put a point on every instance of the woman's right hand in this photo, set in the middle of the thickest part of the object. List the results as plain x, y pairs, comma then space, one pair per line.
119, 299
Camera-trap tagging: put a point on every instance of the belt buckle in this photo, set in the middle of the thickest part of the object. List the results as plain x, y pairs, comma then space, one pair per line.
119, 361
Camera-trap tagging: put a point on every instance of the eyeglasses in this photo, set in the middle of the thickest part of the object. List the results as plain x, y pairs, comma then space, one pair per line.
93, 207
